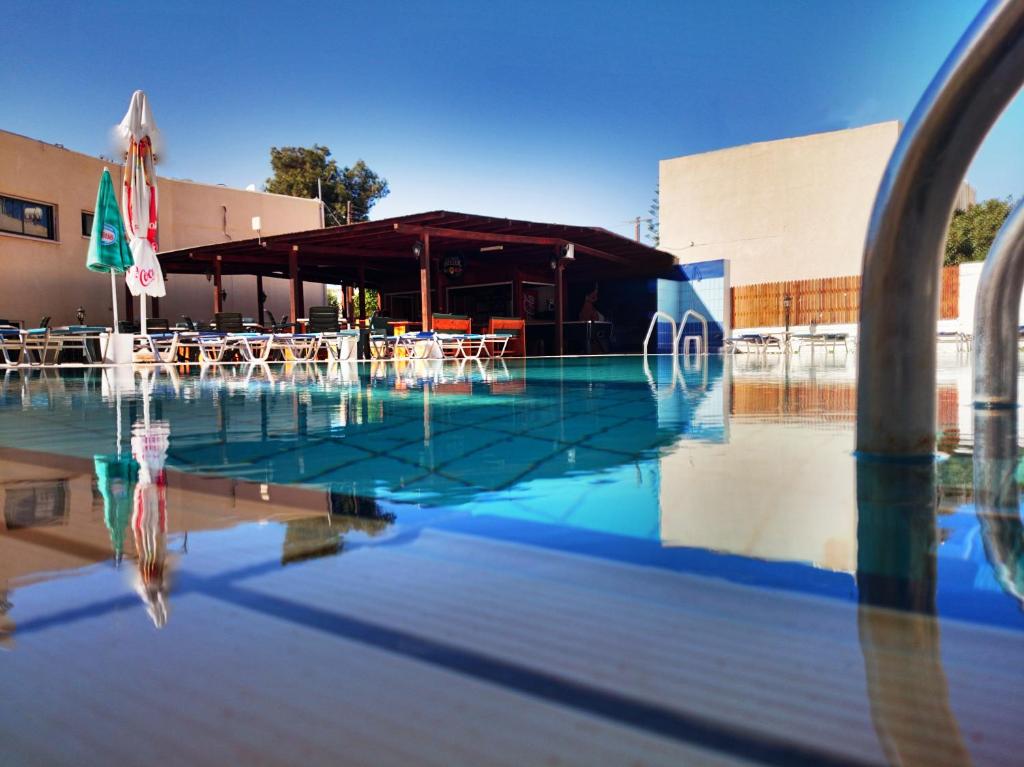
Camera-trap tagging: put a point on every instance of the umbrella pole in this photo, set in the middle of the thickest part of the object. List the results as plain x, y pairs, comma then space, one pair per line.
117, 395
142, 314
113, 297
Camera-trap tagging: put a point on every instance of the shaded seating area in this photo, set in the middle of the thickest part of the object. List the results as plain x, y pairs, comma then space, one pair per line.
434, 272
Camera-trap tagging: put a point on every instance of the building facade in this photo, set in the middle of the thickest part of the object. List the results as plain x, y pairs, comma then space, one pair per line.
47, 195
790, 217
797, 208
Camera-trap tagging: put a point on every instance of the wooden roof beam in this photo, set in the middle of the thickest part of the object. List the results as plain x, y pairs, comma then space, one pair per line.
494, 237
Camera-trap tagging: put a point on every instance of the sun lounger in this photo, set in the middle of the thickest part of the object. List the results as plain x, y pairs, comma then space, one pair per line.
963, 341
755, 342
382, 345
326, 329
505, 335
12, 346
46, 345
423, 345
828, 340
230, 340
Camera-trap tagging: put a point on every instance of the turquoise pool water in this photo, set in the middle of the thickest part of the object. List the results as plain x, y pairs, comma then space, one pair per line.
530, 541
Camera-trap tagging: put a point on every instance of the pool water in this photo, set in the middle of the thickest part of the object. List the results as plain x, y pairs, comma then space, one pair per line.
579, 561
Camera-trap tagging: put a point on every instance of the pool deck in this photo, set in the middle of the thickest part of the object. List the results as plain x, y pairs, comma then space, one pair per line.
455, 649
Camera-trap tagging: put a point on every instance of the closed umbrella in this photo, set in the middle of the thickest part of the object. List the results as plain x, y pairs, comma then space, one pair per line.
108, 247
139, 204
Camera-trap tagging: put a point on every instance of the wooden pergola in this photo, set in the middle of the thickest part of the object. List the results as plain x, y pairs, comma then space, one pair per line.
407, 252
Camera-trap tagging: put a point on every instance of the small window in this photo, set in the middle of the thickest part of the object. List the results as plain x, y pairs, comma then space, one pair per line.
33, 219
86, 224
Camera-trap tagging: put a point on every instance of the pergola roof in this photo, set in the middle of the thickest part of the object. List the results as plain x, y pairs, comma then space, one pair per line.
384, 249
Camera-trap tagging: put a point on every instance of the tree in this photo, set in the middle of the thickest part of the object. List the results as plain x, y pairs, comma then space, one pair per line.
297, 169
972, 231
654, 222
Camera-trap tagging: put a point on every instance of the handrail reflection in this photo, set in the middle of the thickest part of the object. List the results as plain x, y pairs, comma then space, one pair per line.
899, 634
997, 497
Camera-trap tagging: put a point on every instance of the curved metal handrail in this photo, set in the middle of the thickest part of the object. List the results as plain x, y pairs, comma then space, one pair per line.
682, 326
996, 317
903, 252
654, 324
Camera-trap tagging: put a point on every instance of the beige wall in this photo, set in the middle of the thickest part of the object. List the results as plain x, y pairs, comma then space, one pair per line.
778, 210
49, 277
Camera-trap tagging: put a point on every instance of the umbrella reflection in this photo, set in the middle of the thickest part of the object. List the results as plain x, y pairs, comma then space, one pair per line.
899, 634
149, 516
115, 479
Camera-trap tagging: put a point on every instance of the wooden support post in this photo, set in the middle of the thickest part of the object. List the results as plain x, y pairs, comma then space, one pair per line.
442, 285
517, 295
559, 302
425, 282
362, 291
218, 292
261, 299
347, 309
156, 306
295, 303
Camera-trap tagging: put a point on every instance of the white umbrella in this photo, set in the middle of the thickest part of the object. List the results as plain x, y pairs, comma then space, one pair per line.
139, 139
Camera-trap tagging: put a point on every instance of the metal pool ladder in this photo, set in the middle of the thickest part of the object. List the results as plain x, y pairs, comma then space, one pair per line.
654, 324
678, 335
682, 326
903, 252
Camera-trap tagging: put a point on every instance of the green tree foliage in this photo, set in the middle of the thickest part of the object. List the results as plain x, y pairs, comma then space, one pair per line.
653, 223
972, 231
296, 170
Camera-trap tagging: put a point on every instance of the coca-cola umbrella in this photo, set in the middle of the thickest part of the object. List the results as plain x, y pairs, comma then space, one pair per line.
139, 139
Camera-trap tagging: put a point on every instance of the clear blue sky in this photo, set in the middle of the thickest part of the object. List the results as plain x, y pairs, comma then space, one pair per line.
546, 110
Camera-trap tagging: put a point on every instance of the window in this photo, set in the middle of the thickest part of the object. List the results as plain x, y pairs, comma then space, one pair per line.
33, 219
86, 224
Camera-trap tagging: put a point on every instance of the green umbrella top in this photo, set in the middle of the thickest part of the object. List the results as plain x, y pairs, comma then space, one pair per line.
108, 246
116, 478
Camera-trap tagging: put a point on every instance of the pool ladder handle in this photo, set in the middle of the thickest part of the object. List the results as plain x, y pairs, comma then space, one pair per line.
903, 249
677, 335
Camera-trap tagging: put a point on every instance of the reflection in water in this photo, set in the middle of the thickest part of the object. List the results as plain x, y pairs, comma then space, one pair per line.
116, 478
149, 518
899, 633
324, 536
6, 623
997, 497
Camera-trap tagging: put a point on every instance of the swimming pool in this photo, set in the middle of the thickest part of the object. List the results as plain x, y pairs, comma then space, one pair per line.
581, 560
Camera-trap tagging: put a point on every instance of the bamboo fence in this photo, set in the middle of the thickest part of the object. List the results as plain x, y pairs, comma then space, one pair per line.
824, 301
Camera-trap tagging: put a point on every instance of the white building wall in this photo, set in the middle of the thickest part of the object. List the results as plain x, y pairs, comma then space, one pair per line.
797, 208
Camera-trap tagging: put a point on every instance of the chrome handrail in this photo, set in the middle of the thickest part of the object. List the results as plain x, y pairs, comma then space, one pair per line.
997, 317
654, 324
903, 253
682, 326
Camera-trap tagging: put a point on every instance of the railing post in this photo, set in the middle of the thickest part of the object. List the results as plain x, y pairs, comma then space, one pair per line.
996, 317
900, 289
